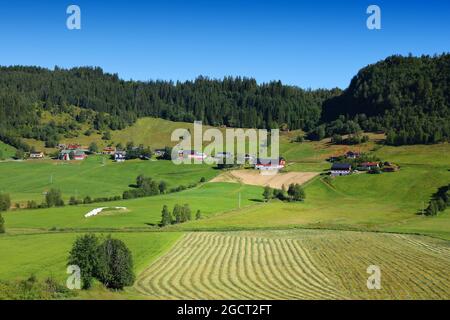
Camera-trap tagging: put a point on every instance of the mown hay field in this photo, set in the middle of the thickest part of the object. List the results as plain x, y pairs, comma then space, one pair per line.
298, 264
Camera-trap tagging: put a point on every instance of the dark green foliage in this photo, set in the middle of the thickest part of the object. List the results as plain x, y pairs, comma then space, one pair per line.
115, 264
2, 224
407, 97
84, 254
202, 179
54, 198
267, 193
177, 213
198, 215
5, 202
296, 192
162, 186
440, 201
166, 217
235, 102
93, 148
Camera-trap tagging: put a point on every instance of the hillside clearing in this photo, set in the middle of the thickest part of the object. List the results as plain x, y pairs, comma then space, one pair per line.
254, 177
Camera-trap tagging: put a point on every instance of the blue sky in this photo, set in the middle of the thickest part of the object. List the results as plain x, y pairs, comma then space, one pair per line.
309, 44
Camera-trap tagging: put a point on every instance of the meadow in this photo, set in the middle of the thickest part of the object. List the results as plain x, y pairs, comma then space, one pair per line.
97, 176
143, 213
247, 248
45, 255
298, 265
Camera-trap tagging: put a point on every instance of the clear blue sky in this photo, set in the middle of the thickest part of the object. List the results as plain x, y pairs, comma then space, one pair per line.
309, 44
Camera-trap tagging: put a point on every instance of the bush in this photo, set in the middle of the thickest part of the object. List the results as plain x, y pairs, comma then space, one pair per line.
2, 224
84, 254
5, 202
296, 192
202, 179
32, 204
54, 198
115, 264
268, 193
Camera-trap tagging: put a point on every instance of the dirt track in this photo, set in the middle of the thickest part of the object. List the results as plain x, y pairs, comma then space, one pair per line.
253, 177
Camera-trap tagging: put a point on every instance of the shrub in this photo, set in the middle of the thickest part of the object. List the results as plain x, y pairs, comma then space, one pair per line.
267, 194
202, 179
296, 192
5, 202
198, 215
115, 268
54, 198
2, 224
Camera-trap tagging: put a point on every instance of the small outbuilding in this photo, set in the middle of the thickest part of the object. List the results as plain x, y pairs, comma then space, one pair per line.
341, 169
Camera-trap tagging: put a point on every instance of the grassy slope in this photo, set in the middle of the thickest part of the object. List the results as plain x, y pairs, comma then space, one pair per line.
387, 202
6, 151
209, 198
46, 254
27, 180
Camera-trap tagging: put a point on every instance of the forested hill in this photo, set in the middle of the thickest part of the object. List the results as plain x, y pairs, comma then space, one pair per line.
409, 97
235, 102
406, 97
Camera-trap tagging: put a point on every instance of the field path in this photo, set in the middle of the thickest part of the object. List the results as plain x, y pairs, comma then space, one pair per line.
253, 177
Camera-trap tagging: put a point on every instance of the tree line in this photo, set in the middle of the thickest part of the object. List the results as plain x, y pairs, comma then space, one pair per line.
408, 98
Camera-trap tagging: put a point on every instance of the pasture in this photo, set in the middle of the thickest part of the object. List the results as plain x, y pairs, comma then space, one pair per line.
385, 202
45, 255
96, 176
145, 213
298, 265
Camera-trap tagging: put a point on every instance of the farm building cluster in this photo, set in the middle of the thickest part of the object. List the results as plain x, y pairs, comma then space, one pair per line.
72, 152
358, 162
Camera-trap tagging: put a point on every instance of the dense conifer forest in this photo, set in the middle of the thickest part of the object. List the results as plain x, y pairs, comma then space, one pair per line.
406, 97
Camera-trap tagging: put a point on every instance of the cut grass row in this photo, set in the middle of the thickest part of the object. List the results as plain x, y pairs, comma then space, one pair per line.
298, 265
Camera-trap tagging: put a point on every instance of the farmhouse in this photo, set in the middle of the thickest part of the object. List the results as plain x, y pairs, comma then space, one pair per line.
352, 155
109, 150
367, 166
36, 155
79, 155
68, 155
270, 164
341, 169
192, 154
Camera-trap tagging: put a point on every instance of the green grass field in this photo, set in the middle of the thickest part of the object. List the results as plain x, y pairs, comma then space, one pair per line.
265, 251
94, 177
6, 151
46, 255
210, 198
